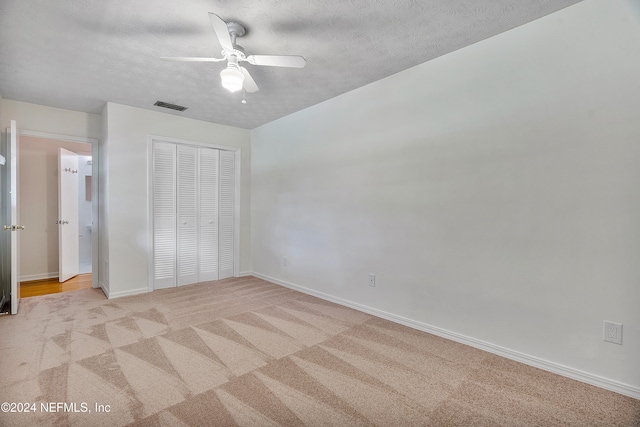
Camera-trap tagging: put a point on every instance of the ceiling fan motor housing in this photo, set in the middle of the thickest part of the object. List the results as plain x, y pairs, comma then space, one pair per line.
235, 77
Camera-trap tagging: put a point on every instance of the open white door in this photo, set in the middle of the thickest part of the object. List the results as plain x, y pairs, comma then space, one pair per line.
12, 227
68, 243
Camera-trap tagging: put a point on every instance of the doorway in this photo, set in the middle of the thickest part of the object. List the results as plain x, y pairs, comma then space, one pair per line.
38, 188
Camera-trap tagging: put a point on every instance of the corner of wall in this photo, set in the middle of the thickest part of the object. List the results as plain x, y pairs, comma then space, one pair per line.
103, 204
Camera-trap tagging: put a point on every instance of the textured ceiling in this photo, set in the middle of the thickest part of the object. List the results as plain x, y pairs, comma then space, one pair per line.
79, 54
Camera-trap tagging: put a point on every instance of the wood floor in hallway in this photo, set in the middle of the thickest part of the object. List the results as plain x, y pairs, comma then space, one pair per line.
52, 286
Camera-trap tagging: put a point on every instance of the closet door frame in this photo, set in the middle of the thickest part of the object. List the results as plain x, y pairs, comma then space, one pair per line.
236, 209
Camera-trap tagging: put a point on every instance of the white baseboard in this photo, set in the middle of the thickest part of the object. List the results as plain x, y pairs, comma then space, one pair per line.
41, 276
565, 371
244, 274
112, 295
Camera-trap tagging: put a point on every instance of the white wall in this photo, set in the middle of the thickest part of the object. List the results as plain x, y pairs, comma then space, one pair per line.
493, 192
103, 205
40, 118
127, 192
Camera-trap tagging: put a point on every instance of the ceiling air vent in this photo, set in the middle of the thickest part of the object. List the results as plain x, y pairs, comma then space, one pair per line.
170, 106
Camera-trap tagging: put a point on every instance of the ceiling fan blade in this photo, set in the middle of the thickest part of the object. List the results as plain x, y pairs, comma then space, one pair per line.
292, 61
191, 59
249, 84
222, 31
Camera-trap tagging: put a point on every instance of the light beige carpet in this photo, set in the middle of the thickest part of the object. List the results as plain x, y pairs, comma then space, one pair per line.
250, 353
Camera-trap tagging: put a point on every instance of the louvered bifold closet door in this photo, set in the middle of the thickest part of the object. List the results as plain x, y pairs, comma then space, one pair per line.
209, 182
227, 202
164, 215
187, 215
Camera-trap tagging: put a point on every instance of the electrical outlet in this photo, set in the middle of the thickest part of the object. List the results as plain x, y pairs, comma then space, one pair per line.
372, 279
284, 261
612, 332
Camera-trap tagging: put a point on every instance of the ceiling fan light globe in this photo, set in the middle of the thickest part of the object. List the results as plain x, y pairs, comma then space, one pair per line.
232, 79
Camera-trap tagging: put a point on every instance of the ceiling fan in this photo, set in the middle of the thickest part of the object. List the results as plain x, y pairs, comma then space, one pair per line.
235, 76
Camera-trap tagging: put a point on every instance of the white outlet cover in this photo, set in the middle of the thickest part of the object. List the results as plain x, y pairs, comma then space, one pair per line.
612, 332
